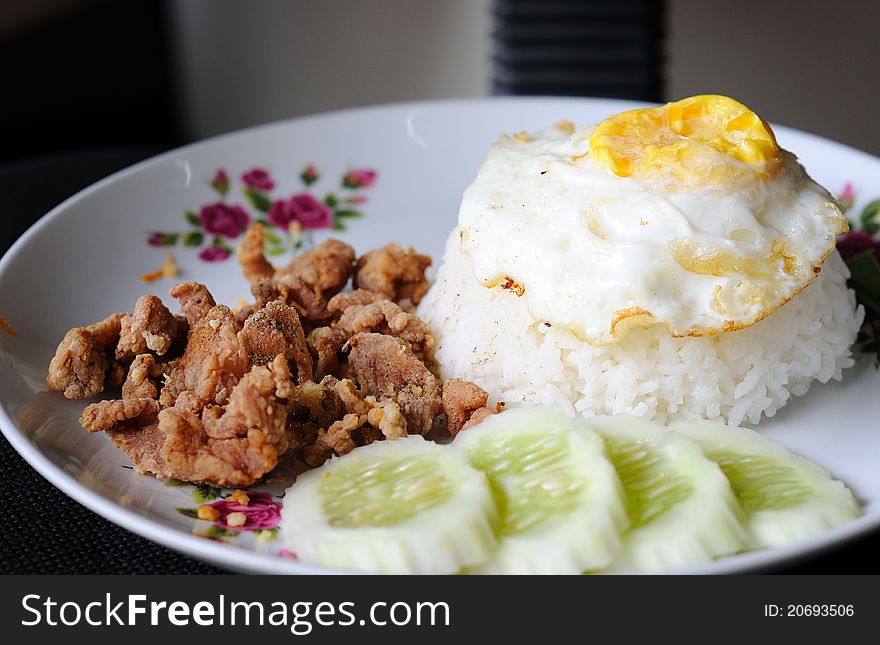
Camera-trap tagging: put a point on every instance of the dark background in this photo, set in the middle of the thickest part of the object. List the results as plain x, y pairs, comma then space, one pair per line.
92, 86
97, 74
88, 75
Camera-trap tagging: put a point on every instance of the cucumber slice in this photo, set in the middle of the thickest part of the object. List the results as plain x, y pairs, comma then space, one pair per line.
559, 500
681, 508
786, 497
402, 506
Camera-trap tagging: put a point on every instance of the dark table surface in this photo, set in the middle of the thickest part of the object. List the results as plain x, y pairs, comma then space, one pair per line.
47, 532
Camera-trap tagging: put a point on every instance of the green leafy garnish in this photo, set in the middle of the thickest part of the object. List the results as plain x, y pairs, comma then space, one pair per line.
871, 218
864, 267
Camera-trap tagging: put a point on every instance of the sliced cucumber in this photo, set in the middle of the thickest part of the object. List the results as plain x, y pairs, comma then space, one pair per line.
559, 500
402, 506
786, 498
681, 508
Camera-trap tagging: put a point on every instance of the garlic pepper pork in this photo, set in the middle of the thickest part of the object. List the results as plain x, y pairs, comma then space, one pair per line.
386, 317
234, 445
139, 383
342, 301
294, 292
132, 426
79, 368
276, 329
341, 417
212, 363
386, 368
326, 346
326, 268
195, 300
394, 273
106, 414
462, 401
250, 254
308, 369
306, 284
151, 327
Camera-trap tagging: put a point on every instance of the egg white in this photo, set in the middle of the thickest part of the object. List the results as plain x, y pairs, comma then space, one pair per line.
601, 254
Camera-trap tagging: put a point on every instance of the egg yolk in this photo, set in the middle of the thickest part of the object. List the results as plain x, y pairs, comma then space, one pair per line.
696, 142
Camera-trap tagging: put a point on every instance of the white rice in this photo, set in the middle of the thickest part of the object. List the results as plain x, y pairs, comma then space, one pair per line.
487, 336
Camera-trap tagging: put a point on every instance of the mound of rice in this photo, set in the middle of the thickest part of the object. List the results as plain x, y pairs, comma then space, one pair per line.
488, 336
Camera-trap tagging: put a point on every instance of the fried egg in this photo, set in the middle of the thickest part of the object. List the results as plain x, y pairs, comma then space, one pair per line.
687, 215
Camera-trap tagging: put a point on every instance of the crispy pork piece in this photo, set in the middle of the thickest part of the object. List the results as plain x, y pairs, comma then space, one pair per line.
139, 384
336, 439
253, 263
211, 365
244, 312
195, 300
383, 421
388, 419
325, 345
327, 401
276, 329
325, 269
231, 446
295, 293
151, 327
341, 418
191, 455
461, 399
79, 368
254, 406
133, 426
159, 370
280, 369
386, 317
104, 415
306, 283
143, 445
236, 446
387, 369
265, 290
116, 371
479, 415
342, 301
395, 274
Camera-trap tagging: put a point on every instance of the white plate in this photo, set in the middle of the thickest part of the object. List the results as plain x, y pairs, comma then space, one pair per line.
83, 260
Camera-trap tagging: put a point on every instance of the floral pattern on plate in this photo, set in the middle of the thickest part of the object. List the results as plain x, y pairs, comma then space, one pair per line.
289, 221
223, 513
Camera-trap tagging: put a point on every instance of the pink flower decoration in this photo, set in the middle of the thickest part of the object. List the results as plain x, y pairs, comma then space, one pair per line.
262, 511
214, 254
359, 178
220, 219
287, 553
356, 199
309, 175
302, 208
220, 181
847, 195
258, 178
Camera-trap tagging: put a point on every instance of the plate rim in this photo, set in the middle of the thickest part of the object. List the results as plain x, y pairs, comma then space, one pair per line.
244, 559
